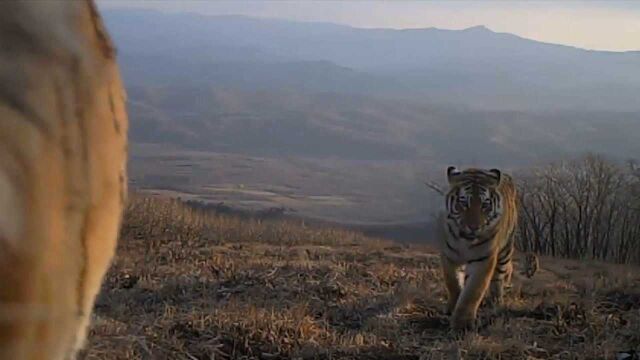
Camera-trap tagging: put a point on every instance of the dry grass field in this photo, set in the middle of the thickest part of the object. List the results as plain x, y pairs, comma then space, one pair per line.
345, 191
193, 285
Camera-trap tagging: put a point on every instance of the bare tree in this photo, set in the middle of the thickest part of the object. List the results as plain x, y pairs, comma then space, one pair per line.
584, 208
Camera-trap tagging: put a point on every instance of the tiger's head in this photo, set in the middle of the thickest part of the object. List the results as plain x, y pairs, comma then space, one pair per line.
473, 203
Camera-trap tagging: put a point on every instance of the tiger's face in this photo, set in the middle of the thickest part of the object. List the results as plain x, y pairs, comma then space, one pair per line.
473, 203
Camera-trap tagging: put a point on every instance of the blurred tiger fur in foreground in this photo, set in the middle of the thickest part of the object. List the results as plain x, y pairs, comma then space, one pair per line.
63, 180
476, 237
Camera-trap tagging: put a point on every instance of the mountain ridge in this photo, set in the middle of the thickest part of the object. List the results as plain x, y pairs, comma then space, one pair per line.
347, 123
475, 66
475, 28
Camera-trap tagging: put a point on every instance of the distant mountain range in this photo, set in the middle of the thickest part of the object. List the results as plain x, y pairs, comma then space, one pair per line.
283, 88
475, 67
350, 122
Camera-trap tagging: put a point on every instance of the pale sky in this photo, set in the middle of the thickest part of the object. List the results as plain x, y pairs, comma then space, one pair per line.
601, 25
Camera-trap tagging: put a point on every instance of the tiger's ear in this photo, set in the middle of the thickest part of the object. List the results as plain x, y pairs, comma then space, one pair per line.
452, 173
497, 174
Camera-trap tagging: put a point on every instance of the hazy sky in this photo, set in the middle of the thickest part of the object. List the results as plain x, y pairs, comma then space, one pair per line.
603, 25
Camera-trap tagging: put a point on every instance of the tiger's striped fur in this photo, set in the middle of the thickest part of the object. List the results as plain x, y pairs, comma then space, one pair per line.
476, 237
63, 138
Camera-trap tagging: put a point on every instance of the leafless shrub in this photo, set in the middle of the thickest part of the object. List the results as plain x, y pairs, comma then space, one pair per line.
588, 208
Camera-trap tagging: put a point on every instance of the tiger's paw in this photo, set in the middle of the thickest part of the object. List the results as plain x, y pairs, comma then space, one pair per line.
495, 303
462, 322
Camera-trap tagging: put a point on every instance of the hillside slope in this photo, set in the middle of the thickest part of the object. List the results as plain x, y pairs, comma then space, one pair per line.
188, 285
272, 123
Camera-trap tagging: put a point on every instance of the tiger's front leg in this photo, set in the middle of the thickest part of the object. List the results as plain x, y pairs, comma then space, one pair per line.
451, 281
501, 278
502, 275
466, 310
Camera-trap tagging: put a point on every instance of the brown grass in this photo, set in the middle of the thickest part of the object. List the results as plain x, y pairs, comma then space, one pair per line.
191, 285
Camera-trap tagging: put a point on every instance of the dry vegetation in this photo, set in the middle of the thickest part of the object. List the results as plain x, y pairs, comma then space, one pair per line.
586, 208
347, 191
192, 285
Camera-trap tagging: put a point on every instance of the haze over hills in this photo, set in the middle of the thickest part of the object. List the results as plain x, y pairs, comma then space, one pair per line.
474, 66
318, 100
